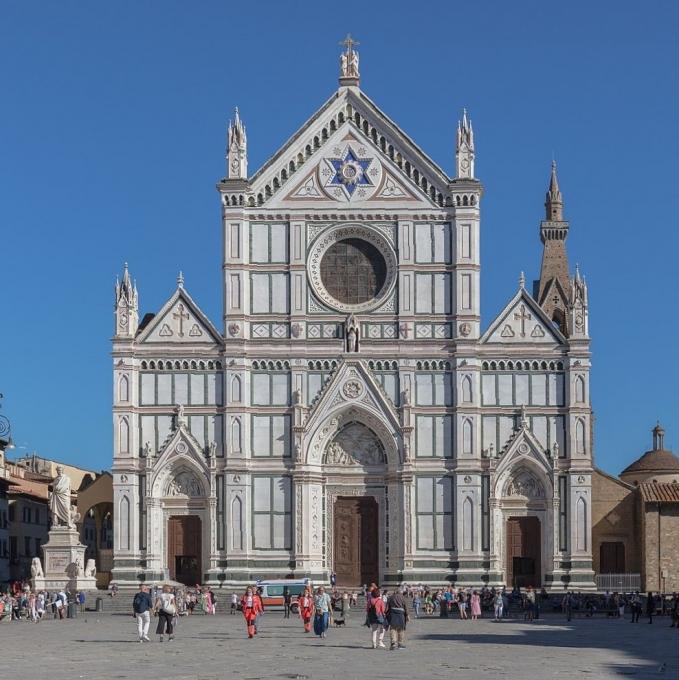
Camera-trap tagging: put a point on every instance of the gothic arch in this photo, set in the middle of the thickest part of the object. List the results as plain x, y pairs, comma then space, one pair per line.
580, 445
235, 389
467, 437
579, 390
326, 431
123, 388
124, 529
124, 435
237, 523
236, 436
581, 525
468, 524
466, 389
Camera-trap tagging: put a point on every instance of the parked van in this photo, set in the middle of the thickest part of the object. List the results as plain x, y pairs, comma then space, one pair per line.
273, 591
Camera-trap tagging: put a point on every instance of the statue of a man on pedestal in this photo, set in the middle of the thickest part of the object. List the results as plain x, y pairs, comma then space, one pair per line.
60, 500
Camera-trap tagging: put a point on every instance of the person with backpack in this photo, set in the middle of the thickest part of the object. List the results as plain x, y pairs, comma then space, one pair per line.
141, 610
376, 618
397, 618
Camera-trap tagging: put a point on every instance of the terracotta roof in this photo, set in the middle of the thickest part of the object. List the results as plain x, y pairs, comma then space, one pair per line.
654, 461
659, 492
27, 487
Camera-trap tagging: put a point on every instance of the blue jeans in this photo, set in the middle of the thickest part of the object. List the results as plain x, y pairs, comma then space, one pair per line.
321, 623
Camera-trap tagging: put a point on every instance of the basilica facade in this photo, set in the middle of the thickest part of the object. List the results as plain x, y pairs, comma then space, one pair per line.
351, 413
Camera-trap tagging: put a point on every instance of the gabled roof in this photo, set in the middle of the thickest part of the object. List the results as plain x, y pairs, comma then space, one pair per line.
180, 321
338, 114
522, 321
659, 492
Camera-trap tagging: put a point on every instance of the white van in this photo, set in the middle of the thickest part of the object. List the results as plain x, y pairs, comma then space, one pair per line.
273, 591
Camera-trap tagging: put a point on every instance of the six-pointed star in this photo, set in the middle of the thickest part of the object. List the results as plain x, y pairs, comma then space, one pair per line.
350, 171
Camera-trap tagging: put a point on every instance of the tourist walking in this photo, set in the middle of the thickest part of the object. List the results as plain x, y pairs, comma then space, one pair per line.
529, 604
375, 618
462, 603
234, 603
141, 609
306, 608
498, 605
476, 605
322, 604
251, 607
567, 605
287, 603
166, 609
636, 607
650, 607
397, 618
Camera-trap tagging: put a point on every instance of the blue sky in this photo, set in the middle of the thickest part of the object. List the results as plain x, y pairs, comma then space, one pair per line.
112, 135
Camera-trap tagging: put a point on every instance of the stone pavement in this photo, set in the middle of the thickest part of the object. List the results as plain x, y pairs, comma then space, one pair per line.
212, 648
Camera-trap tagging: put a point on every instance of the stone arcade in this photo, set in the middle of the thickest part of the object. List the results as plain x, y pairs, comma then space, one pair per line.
353, 415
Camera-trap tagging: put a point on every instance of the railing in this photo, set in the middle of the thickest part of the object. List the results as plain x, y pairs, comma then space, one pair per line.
623, 583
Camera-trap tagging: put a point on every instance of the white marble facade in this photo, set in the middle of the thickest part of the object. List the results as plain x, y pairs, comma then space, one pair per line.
352, 362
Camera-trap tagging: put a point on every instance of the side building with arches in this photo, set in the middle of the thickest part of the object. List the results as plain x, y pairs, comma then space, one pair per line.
351, 415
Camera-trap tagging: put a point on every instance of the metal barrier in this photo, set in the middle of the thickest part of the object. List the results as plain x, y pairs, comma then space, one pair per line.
623, 583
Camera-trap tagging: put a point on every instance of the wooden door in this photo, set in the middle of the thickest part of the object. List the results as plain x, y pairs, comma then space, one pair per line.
523, 552
184, 549
612, 557
355, 543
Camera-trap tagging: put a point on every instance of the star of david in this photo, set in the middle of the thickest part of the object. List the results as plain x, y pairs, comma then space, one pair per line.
350, 171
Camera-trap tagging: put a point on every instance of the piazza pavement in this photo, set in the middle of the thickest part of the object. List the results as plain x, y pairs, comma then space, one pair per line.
104, 645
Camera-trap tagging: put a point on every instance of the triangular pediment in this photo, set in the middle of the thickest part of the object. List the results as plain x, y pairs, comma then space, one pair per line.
350, 154
180, 321
521, 449
352, 385
522, 321
179, 450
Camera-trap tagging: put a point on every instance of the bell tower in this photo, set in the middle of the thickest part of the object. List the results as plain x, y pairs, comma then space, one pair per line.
553, 288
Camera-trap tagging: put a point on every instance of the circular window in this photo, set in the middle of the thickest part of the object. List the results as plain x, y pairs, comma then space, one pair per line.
353, 271
352, 268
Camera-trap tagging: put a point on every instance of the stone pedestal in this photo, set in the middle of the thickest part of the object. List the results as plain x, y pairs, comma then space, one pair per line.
64, 561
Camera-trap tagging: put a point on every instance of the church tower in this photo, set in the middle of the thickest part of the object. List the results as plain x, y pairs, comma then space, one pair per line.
126, 306
552, 290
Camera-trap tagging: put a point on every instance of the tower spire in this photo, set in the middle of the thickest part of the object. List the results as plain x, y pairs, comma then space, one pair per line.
126, 308
464, 148
237, 149
554, 200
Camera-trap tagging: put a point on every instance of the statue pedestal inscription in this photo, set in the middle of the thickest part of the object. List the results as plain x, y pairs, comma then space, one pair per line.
64, 563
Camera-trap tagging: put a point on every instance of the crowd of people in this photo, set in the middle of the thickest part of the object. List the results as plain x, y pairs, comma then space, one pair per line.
21, 603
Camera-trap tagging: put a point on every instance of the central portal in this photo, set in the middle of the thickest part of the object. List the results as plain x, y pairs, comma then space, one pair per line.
184, 549
523, 552
356, 547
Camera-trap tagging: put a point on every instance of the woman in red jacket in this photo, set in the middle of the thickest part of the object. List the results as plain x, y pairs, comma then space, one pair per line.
252, 607
306, 608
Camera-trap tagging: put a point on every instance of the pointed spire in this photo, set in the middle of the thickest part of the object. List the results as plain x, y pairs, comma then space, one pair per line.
522, 280
237, 148
180, 279
554, 200
126, 305
464, 149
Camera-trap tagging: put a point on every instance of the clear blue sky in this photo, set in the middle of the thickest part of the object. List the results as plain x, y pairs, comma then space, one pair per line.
112, 134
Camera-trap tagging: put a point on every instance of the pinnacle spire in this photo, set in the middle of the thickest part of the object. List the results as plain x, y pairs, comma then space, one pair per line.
180, 279
237, 148
464, 148
554, 200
